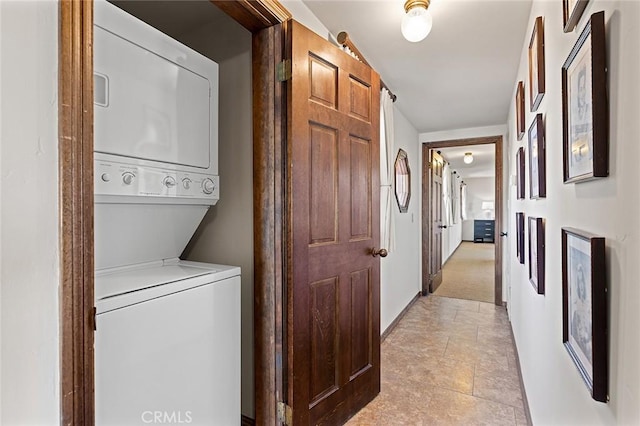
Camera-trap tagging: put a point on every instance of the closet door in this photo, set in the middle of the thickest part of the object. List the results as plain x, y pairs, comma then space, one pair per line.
334, 221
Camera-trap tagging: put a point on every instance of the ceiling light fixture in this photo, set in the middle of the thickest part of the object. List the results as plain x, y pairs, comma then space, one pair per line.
417, 22
468, 158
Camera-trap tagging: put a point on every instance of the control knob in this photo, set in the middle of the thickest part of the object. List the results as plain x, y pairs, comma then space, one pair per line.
208, 186
169, 182
127, 178
186, 183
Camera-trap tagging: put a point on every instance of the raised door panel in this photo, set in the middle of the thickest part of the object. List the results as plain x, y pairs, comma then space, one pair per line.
359, 99
360, 188
323, 82
324, 339
323, 184
361, 350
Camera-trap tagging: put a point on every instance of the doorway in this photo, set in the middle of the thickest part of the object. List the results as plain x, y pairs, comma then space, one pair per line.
452, 215
266, 21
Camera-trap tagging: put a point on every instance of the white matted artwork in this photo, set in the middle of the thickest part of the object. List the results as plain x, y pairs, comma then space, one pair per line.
585, 308
579, 274
585, 110
580, 113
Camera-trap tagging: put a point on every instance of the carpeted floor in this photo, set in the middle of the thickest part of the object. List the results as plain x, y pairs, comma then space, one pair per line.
469, 273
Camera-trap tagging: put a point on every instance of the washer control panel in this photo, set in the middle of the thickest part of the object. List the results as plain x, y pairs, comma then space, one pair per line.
121, 179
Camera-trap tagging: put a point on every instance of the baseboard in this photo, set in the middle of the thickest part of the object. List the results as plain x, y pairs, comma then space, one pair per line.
395, 322
247, 421
525, 400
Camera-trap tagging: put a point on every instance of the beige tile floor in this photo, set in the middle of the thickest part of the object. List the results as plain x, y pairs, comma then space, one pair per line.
448, 362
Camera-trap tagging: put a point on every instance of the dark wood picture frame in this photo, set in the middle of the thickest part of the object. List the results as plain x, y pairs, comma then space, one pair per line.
520, 174
520, 237
571, 17
536, 253
520, 110
402, 181
585, 115
584, 308
536, 64
537, 159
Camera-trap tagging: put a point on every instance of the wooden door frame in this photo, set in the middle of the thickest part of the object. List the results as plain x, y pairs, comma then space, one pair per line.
426, 226
266, 19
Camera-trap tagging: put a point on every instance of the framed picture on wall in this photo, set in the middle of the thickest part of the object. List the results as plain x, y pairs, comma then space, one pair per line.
584, 308
537, 161
520, 237
571, 13
520, 110
536, 253
585, 121
536, 64
520, 174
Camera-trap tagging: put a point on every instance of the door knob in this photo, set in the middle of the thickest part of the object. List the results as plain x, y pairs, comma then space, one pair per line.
382, 252
442, 226
503, 234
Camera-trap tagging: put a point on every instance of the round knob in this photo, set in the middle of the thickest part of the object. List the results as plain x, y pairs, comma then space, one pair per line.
127, 178
381, 252
186, 183
105, 177
208, 186
169, 182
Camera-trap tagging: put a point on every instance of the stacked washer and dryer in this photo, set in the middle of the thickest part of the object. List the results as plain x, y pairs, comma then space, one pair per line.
167, 340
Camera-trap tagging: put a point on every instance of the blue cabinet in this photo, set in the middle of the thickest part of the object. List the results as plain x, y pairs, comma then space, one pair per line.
484, 231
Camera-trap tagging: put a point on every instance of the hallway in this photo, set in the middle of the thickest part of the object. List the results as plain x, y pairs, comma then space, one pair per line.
448, 362
469, 273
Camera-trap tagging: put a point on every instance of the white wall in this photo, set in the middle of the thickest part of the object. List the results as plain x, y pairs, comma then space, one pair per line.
400, 271
478, 190
482, 132
29, 361
306, 17
608, 207
226, 233
451, 239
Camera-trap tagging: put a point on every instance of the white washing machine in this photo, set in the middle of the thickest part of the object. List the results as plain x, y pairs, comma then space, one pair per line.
167, 340
168, 344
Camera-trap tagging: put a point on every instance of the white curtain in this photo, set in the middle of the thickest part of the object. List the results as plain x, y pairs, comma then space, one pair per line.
387, 239
455, 199
463, 200
446, 195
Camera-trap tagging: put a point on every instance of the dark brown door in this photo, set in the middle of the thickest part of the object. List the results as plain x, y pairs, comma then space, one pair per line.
333, 287
435, 214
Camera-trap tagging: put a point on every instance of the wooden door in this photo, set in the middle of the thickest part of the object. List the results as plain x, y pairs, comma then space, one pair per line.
435, 214
334, 213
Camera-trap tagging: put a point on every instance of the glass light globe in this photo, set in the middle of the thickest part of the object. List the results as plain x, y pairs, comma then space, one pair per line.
416, 24
468, 158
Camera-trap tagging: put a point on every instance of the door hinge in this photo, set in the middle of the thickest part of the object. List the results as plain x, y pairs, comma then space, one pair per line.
283, 70
285, 413
95, 319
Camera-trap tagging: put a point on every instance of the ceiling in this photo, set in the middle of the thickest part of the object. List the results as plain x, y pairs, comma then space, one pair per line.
483, 165
462, 75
